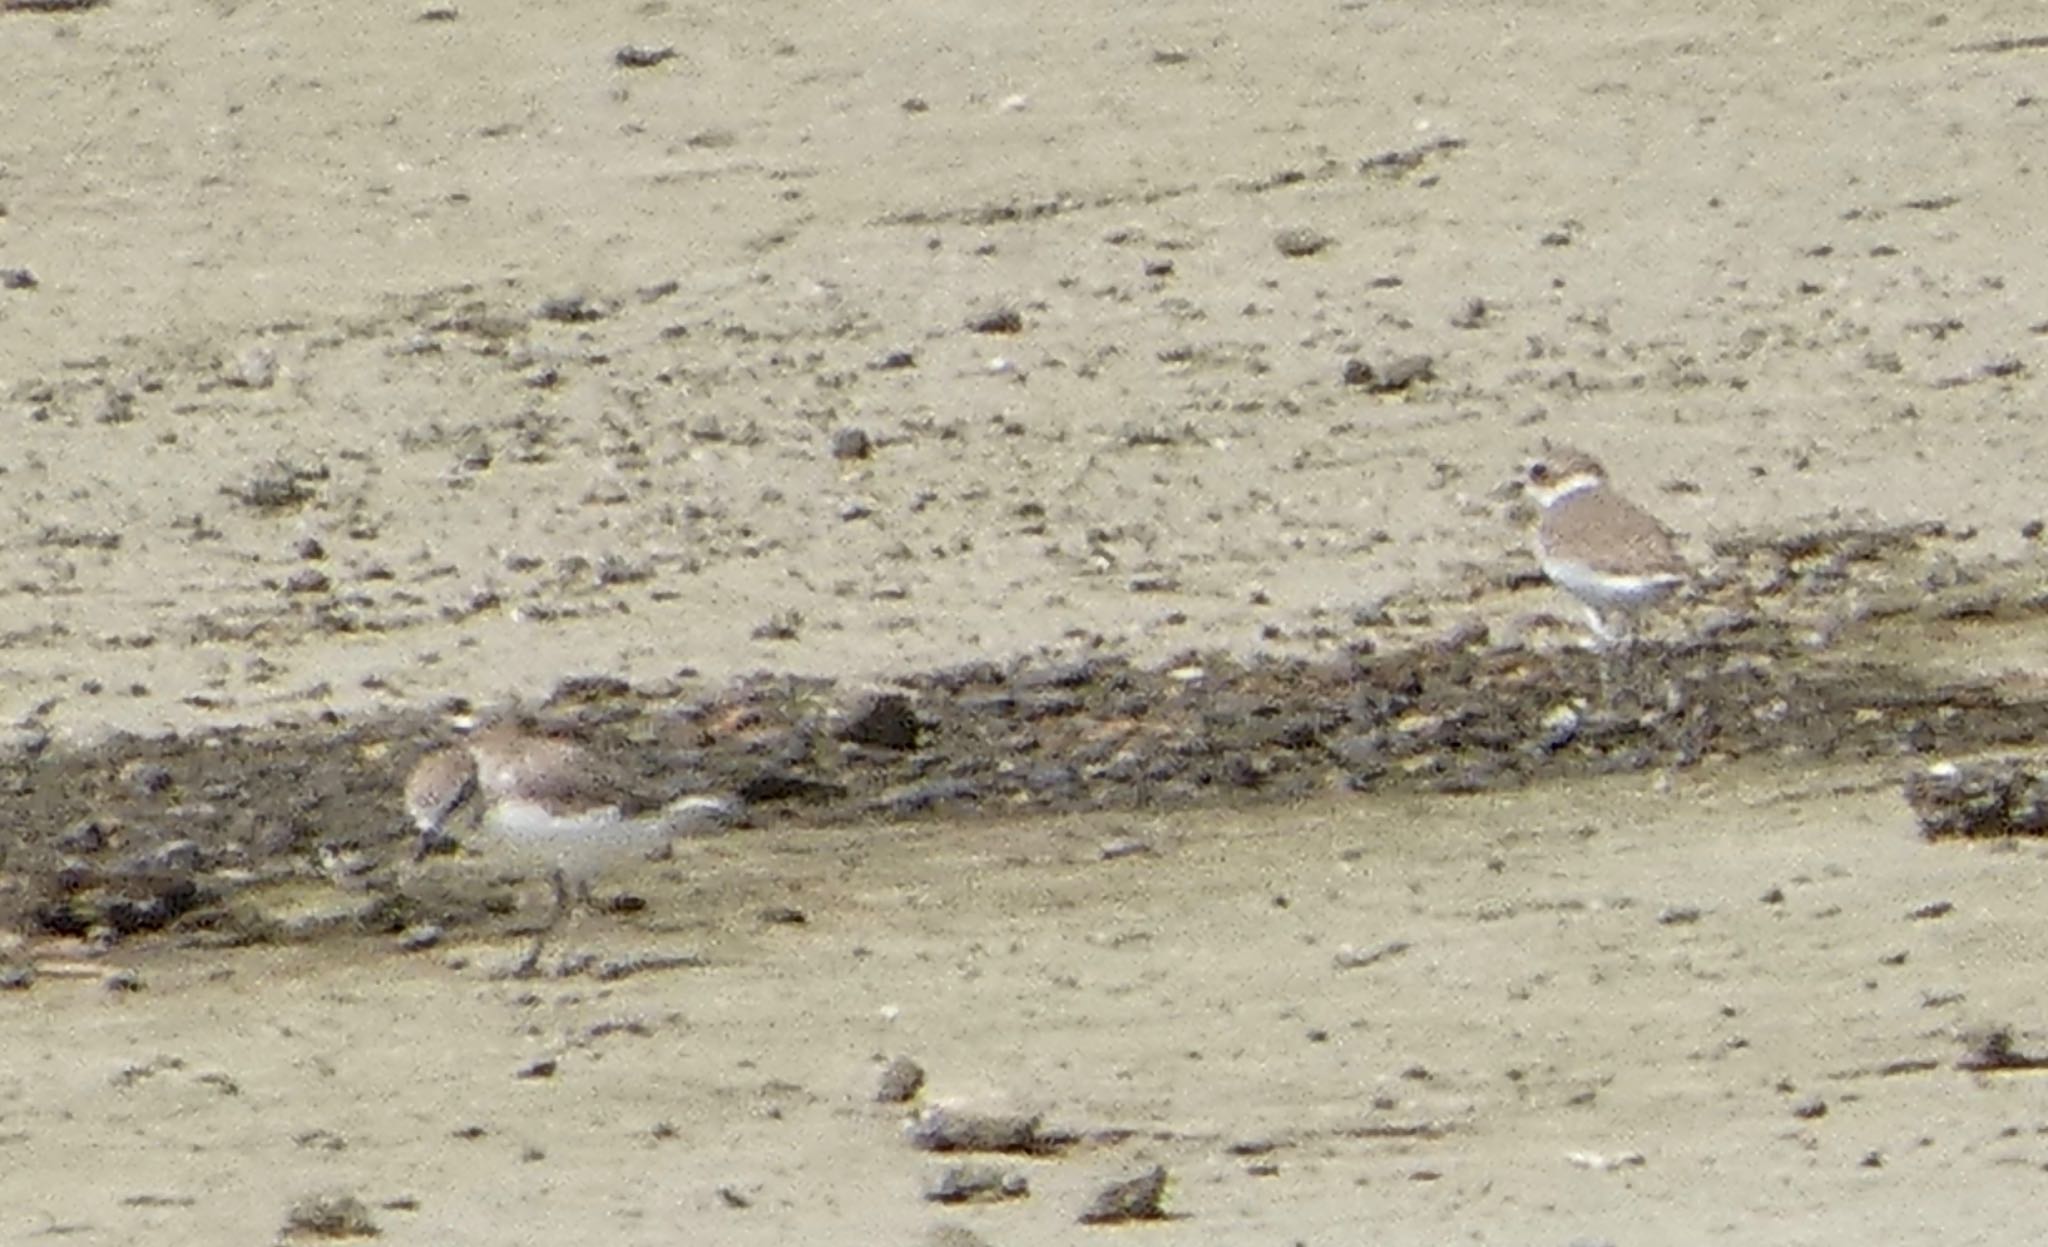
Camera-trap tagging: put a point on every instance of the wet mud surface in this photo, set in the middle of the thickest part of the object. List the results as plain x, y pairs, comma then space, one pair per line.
137, 836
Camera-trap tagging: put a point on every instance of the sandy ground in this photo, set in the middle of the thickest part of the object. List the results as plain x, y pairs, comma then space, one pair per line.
358, 357
1599, 1013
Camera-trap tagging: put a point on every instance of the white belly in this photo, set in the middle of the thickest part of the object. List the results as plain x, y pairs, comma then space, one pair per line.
581, 846
1606, 591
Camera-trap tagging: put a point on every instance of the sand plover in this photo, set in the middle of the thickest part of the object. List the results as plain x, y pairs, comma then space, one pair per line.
546, 804
1598, 546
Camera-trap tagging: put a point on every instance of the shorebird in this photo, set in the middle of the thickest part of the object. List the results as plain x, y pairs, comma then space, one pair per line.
1604, 550
544, 803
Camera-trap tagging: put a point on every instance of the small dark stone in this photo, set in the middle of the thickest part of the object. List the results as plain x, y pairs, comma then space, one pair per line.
900, 1082
1132, 1199
851, 443
883, 720
84, 836
943, 1129
634, 57
999, 320
976, 1183
569, 309
17, 279
1470, 316
131, 916
1402, 373
308, 580
146, 779
1299, 242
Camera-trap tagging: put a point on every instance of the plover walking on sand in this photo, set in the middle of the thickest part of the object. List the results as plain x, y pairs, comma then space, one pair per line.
544, 803
1604, 550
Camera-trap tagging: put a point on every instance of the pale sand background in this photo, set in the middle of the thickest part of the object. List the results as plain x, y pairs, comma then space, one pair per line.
1774, 263
1746, 307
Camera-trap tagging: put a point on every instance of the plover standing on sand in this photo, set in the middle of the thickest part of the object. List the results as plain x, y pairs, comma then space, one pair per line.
544, 803
1604, 550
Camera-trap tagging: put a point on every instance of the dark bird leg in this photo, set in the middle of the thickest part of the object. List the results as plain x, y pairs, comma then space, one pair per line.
558, 886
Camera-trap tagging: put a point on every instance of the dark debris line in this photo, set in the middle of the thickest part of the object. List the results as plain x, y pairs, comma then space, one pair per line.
137, 834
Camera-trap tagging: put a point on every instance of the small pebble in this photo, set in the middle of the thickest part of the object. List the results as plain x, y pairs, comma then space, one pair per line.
900, 1082
976, 1183
638, 57
999, 320
145, 779
1298, 242
328, 1216
851, 443
1132, 1199
254, 369
882, 721
944, 1129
